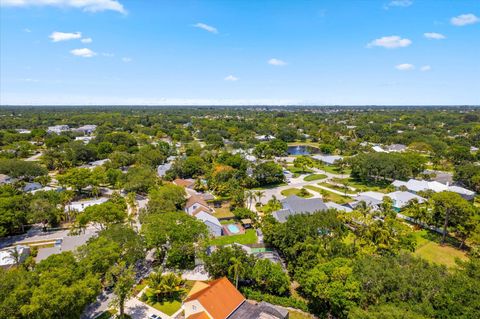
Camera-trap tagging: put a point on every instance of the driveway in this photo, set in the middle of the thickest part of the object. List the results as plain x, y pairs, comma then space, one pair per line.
139, 310
298, 182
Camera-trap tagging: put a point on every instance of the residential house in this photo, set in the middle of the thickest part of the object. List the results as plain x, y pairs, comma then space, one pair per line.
81, 205
332, 205
374, 199
396, 148
30, 187
220, 299
162, 169
415, 186
57, 129
197, 206
186, 183
328, 159
195, 202
264, 137
5, 179
86, 129
294, 205
6, 256
23, 131
84, 139
214, 226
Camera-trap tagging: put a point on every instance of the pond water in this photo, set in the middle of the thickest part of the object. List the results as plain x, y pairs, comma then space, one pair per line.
302, 150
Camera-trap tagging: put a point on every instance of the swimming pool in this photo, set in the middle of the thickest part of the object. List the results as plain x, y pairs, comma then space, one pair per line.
233, 228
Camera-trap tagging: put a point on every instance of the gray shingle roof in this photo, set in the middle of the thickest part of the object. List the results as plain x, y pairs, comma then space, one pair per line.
294, 205
258, 311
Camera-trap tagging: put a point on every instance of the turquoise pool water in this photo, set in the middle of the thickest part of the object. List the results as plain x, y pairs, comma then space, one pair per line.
233, 228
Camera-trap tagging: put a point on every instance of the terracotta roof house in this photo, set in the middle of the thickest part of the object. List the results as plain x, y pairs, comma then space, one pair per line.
219, 299
187, 183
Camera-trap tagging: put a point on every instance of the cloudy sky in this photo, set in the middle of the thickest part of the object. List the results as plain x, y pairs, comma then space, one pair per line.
239, 52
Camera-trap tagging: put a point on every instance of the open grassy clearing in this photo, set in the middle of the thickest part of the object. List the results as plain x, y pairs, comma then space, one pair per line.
362, 186
250, 237
329, 196
337, 188
432, 251
314, 177
296, 191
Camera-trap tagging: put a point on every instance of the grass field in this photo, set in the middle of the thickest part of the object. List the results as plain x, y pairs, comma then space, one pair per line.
329, 196
250, 237
429, 248
292, 314
223, 212
314, 177
362, 186
298, 170
168, 307
334, 169
337, 188
295, 191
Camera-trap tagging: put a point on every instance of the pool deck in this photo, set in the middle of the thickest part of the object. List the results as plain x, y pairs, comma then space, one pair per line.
227, 231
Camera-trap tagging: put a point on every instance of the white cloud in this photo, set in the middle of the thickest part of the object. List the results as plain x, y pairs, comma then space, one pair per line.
390, 42
84, 53
399, 3
126, 59
434, 35
107, 54
276, 62
27, 30
86, 40
231, 78
425, 68
64, 36
206, 27
464, 19
29, 80
85, 5
405, 67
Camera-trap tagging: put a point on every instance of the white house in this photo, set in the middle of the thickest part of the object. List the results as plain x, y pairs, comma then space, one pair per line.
212, 222
81, 205
195, 203
6, 255
57, 129
416, 186
86, 129
328, 159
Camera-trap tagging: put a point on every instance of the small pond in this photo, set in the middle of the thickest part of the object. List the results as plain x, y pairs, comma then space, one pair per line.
302, 150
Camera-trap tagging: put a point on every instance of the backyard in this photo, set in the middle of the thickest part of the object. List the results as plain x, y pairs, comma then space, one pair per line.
429, 248
329, 196
297, 192
250, 237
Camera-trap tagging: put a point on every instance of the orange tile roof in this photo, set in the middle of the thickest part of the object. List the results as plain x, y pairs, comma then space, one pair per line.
220, 299
199, 315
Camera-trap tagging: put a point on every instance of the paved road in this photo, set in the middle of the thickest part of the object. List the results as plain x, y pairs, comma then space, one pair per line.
299, 183
35, 233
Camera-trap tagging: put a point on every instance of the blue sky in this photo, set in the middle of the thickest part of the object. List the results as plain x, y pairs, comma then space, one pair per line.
239, 52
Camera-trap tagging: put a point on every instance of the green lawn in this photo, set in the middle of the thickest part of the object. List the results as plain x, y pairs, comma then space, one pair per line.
269, 186
168, 307
250, 237
334, 169
223, 212
363, 186
329, 196
335, 187
428, 247
295, 191
298, 170
314, 177
292, 314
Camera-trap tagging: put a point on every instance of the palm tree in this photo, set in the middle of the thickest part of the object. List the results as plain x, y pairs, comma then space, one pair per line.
165, 286
15, 255
235, 267
250, 196
259, 195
